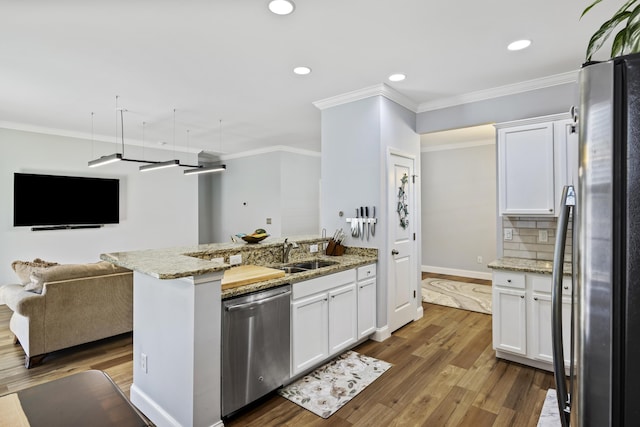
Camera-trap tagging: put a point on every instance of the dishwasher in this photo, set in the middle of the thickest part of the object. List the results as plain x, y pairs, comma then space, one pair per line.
255, 346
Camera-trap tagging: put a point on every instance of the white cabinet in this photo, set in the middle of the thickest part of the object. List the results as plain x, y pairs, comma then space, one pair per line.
342, 318
509, 320
310, 336
366, 300
534, 157
323, 318
522, 318
509, 314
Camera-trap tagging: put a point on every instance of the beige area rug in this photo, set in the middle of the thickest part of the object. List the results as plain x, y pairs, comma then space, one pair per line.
467, 296
331, 386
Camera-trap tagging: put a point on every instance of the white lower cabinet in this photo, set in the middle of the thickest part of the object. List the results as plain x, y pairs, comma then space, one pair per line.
509, 320
366, 300
323, 318
310, 332
522, 318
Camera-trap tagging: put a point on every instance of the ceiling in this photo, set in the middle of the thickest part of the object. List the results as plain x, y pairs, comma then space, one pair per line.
225, 66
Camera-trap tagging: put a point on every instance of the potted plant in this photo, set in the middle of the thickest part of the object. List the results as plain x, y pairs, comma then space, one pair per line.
627, 40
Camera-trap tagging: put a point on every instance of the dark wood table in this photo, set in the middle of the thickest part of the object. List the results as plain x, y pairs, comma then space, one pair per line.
87, 398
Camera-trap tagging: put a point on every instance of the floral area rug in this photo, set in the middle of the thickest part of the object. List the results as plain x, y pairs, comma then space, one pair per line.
467, 296
331, 386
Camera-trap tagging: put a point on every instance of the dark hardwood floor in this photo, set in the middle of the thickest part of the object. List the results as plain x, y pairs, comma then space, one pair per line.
445, 374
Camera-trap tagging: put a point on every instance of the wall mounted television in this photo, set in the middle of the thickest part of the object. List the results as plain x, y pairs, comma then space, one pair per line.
64, 201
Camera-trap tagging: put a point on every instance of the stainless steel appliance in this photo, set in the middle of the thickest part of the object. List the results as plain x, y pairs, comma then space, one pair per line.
606, 254
255, 346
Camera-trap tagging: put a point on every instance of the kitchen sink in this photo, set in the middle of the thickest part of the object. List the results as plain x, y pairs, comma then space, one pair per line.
300, 267
291, 269
312, 265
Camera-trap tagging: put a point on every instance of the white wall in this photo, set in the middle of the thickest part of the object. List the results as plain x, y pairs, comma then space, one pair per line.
459, 208
280, 185
157, 209
356, 138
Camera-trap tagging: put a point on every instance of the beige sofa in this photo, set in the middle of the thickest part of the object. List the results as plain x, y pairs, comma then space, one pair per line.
78, 303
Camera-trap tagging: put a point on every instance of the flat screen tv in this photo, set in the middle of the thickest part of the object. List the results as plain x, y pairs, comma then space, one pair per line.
54, 200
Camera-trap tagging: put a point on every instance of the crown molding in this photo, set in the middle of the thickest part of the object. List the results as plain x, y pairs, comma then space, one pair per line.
457, 146
381, 89
271, 149
481, 95
25, 127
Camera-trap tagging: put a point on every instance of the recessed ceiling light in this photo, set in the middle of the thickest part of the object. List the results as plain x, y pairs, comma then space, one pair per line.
281, 7
519, 45
302, 71
398, 77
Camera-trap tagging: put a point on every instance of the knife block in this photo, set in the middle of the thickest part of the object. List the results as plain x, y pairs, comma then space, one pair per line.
334, 249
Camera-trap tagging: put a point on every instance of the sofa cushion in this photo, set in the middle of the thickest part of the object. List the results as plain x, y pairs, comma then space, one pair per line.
70, 271
23, 269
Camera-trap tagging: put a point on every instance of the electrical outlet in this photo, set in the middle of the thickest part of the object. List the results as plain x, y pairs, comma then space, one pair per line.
543, 236
235, 259
479, 259
508, 234
313, 248
143, 362
268, 221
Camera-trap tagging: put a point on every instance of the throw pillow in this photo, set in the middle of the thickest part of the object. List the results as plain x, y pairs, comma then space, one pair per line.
68, 272
23, 269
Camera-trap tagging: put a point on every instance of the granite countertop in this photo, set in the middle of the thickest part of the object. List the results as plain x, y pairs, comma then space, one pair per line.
344, 262
527, 265
176, 262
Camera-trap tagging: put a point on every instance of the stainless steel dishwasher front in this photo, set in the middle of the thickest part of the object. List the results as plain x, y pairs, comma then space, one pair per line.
255, 346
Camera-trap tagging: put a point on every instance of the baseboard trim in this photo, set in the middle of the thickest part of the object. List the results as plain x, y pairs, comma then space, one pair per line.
155, 412
381, 334
456, 272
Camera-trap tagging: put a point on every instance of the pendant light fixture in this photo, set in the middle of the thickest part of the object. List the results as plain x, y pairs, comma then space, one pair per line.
115, 157
169, 163
208, 169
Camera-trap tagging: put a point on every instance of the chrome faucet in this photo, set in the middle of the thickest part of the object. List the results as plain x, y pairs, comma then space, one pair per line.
287, 248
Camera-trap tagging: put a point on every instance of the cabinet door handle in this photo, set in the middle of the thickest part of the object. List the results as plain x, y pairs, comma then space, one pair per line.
535, 298
566, 287
508, 280
521, 296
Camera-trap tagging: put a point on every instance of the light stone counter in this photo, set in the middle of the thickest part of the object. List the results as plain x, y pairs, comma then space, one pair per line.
527, 265
176, 262
173, 263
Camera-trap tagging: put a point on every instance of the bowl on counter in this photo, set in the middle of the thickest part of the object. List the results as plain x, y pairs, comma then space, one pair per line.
253, 239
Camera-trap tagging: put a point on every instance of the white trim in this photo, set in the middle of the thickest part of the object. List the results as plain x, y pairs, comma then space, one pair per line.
534, 120
381, 89
482, 95
381, 334
151, 409
271, 149
457, 146
24, 127
457, 272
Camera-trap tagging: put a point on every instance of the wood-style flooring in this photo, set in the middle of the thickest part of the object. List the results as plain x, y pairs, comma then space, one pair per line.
445, 374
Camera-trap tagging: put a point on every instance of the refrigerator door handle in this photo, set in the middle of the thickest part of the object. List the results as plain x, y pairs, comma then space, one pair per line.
567, 202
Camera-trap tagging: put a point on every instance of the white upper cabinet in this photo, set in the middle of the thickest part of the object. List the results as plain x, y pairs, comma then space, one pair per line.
533, 155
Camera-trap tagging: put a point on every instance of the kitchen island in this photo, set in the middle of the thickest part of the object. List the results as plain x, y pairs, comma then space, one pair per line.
177, 316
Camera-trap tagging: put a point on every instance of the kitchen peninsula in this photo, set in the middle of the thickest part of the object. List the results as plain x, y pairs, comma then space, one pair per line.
177, 317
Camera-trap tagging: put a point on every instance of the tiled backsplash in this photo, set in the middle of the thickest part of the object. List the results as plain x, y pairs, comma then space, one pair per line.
526, 238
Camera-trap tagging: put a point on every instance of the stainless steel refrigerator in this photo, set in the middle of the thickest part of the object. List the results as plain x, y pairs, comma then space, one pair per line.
603, 388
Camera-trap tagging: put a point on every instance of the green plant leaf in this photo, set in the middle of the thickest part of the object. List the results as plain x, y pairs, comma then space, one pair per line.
601, 36
589, 7
619, 43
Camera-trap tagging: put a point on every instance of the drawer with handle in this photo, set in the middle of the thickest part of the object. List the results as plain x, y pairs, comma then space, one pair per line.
509, 279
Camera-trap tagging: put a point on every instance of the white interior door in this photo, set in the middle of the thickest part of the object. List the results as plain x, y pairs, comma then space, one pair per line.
402, 224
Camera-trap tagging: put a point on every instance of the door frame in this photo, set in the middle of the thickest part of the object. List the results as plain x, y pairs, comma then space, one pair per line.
415, 213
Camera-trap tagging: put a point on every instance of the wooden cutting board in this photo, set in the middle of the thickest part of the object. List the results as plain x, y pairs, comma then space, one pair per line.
247, 274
